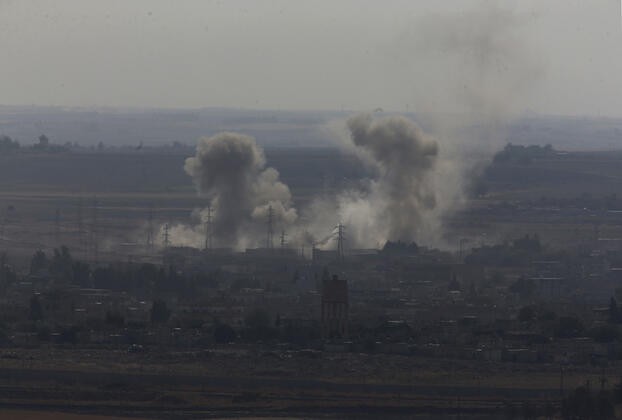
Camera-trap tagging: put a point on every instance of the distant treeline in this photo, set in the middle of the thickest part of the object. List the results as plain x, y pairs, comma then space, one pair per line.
522, 154
8, 145
43, 145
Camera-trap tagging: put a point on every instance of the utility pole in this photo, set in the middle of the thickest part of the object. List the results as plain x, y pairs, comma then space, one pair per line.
269, 238
341, 237
208, 229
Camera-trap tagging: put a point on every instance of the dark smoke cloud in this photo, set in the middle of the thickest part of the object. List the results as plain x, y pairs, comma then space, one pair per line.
229, 170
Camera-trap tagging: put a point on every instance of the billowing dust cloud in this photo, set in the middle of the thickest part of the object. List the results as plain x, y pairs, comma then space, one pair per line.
468, 73
397, 201
229, 170
403, 156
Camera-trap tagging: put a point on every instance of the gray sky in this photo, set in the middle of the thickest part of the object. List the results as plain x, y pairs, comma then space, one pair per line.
546, 56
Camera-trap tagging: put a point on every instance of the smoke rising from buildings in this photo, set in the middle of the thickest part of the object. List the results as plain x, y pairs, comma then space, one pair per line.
470, 69
470, 74
403, 156
397, 201
229, 170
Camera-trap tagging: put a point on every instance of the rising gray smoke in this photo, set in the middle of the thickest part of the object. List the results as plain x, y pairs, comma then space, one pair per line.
229, 170
403, 156
399, 200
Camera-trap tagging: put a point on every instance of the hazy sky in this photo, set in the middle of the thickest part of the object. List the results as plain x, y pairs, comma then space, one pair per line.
547, 56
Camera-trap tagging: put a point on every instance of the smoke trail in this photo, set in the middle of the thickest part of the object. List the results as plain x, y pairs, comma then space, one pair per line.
229, 170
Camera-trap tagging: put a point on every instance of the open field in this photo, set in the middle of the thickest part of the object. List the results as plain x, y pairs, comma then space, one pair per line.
209, 384
44, 198
51, 415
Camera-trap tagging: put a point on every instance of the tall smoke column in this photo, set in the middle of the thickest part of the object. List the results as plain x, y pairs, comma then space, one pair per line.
229, 170
403, 156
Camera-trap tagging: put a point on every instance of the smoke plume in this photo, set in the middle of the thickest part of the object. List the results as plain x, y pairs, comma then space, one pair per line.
229, 171
403, 156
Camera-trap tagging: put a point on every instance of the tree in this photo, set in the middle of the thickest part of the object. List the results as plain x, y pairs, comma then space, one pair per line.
614, 314
38, 262
61, 265
325, 275
36, 311
257, 318
115, 319
525, 288
527, 314
259, 325
44, 142
81, 274
223, 333
160, 313
584, 404
454, 284
605, 333
7, 144
568, 327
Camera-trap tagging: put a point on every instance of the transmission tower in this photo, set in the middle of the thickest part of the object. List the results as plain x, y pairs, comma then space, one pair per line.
270, 236
208, 229
167, 242
341, 237
283, 237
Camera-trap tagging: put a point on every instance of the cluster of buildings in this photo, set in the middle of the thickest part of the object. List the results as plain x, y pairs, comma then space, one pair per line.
548, 308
